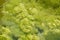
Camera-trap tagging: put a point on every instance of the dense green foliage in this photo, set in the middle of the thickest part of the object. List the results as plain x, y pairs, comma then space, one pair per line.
30, 20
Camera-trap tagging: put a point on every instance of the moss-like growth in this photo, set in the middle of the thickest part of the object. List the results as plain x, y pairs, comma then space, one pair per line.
29, 20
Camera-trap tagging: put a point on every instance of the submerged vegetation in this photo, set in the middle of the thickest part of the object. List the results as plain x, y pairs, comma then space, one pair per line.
30, 20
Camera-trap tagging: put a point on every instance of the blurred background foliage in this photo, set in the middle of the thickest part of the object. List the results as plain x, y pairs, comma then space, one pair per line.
30, 20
